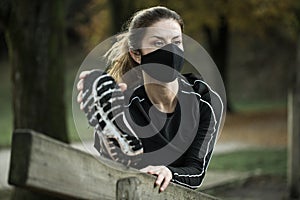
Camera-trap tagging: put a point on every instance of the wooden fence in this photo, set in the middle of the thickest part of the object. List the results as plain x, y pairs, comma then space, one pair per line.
44, 165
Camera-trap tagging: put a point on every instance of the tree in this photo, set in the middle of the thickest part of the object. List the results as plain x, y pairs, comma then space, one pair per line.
35, 36
294, 131
95, 20
121, 12
293, 172
218, 47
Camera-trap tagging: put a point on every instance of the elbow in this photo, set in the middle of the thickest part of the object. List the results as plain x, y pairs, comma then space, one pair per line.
192, 182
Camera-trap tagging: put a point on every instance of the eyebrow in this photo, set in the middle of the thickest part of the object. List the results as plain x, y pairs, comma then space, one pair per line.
161, 38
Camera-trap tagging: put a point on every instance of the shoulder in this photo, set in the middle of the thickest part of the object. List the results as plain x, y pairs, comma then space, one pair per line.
195, 83
208, 97
134, 95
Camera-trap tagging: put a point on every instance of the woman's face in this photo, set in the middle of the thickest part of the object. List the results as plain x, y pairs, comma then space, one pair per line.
161, 33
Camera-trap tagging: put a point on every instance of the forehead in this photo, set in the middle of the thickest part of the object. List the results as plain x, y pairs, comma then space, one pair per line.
166, 28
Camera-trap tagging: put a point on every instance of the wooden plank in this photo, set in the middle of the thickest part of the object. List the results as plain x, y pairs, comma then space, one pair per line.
44, 164
127, 189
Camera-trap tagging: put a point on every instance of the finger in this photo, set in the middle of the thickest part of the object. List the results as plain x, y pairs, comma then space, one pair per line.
81, 106
154, 171
159, 179
79, 97
165, 184
146, 169
123, 86
83, 74
80, 85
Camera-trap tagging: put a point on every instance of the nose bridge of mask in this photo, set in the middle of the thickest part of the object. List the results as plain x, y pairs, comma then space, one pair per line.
174, 49
163, 63
167, 55
175, 54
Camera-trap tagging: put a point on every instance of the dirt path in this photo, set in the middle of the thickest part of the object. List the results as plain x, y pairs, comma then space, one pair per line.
265, 129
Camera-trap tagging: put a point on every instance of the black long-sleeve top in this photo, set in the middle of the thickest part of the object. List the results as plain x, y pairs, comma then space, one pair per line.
183, 140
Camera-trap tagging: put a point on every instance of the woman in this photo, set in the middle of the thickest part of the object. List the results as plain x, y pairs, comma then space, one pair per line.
169, 121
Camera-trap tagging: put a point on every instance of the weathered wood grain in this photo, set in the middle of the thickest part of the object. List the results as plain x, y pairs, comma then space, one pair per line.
44, 164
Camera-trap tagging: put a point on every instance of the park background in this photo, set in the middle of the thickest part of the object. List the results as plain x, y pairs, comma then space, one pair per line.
253, 42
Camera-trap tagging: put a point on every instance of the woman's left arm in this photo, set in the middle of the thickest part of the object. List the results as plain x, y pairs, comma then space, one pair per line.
196, 160
197, 157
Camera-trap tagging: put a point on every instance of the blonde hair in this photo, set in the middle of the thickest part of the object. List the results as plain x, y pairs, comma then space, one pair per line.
118, 56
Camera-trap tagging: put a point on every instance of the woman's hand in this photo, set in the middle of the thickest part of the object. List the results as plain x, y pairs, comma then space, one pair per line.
164, 175
80, 83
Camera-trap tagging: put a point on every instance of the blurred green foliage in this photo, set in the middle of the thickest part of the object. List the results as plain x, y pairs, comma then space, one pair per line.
256, 17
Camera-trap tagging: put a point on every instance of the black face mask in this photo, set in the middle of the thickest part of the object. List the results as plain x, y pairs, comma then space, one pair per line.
163, 64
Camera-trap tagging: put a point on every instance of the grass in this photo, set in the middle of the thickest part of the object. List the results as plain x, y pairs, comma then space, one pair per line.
262, 105
265, 161
268, 169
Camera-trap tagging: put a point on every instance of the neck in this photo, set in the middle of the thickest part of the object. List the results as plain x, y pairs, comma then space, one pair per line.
163, 95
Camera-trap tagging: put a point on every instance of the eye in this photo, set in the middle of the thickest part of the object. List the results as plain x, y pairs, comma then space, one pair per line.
177, 42
158, 43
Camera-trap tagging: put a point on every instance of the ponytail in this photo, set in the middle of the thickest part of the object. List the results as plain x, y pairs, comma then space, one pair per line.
119, 58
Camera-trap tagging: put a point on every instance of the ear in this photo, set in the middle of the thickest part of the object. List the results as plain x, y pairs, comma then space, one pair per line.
135, 55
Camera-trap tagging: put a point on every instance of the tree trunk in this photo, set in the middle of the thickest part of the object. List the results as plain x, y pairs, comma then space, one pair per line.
35, 38
294, 130
121, 11
218, 48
